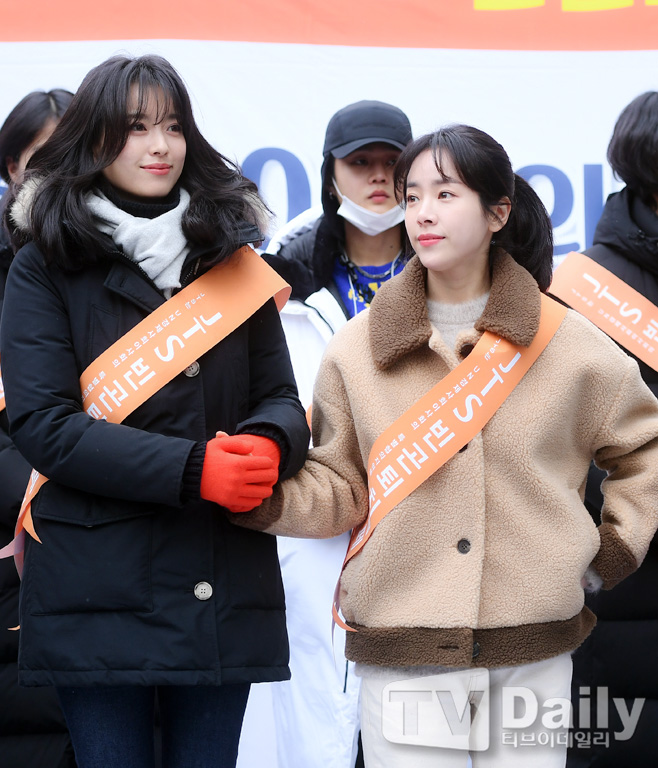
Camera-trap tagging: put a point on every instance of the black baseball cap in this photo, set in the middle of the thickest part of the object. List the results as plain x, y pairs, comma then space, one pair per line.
366, 122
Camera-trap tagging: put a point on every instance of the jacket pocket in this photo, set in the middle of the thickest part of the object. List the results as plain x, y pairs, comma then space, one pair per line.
253, 570
85, 563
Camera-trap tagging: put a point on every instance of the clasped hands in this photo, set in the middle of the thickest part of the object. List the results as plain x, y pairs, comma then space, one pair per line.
239, 471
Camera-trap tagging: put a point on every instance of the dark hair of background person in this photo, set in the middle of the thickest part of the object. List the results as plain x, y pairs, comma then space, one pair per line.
633, 147
330, 203
26, 120
90, 137
484, 166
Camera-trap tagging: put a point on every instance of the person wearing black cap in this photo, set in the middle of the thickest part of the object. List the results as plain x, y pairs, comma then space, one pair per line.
335, 263
357, 241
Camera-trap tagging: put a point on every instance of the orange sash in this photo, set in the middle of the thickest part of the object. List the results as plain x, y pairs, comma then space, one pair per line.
444, 420
2, 394
162, 345
613, 306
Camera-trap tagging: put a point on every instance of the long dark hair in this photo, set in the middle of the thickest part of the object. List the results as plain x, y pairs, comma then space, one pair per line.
633, 148
91, 135
26, 121
483, 165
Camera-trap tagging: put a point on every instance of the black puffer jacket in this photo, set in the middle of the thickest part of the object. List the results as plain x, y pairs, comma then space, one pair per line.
621, 653
109, 597
32, 727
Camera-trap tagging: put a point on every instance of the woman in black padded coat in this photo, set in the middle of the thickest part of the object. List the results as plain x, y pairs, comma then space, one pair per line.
141, 586
621, 654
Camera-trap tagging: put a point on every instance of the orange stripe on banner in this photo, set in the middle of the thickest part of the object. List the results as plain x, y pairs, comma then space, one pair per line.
580, 25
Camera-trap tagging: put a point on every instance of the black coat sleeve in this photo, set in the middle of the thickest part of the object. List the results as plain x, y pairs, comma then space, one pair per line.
14, 474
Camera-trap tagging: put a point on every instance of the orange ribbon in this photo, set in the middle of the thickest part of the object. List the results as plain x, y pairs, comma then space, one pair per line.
613, 306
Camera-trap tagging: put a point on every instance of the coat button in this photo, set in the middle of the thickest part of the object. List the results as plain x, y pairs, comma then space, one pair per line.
476, 649
192, 369
202, 591
464, 546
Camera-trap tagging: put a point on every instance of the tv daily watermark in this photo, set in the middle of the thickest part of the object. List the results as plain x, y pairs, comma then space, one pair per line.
454, 711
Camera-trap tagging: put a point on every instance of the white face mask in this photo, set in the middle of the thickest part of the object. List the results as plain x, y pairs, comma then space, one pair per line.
369, 222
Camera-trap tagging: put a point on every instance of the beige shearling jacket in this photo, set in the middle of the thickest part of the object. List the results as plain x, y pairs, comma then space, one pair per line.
482, 564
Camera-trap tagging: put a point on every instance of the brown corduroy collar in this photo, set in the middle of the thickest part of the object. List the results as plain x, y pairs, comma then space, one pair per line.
398, 314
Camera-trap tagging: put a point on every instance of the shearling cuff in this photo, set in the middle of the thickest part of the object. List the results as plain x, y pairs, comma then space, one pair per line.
263, 516
614, 560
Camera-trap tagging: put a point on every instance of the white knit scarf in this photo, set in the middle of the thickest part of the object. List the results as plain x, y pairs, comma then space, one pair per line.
158, 245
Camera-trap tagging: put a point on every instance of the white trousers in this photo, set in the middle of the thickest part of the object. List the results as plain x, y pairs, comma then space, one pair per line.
514, 741
317, 712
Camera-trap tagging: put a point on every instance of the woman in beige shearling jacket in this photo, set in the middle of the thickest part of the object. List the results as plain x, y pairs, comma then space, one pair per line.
482, 565
514, 493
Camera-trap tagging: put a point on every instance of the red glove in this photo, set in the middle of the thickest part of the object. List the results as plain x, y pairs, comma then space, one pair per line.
265, 446
235, 478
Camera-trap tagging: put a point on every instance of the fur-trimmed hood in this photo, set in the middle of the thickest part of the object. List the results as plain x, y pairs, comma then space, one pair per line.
21, 207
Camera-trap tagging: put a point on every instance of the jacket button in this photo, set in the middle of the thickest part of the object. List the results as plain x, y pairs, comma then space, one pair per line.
202, 591
464, 546
476, 649
192, 369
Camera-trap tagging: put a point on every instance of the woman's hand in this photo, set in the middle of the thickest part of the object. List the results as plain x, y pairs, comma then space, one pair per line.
591, 581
